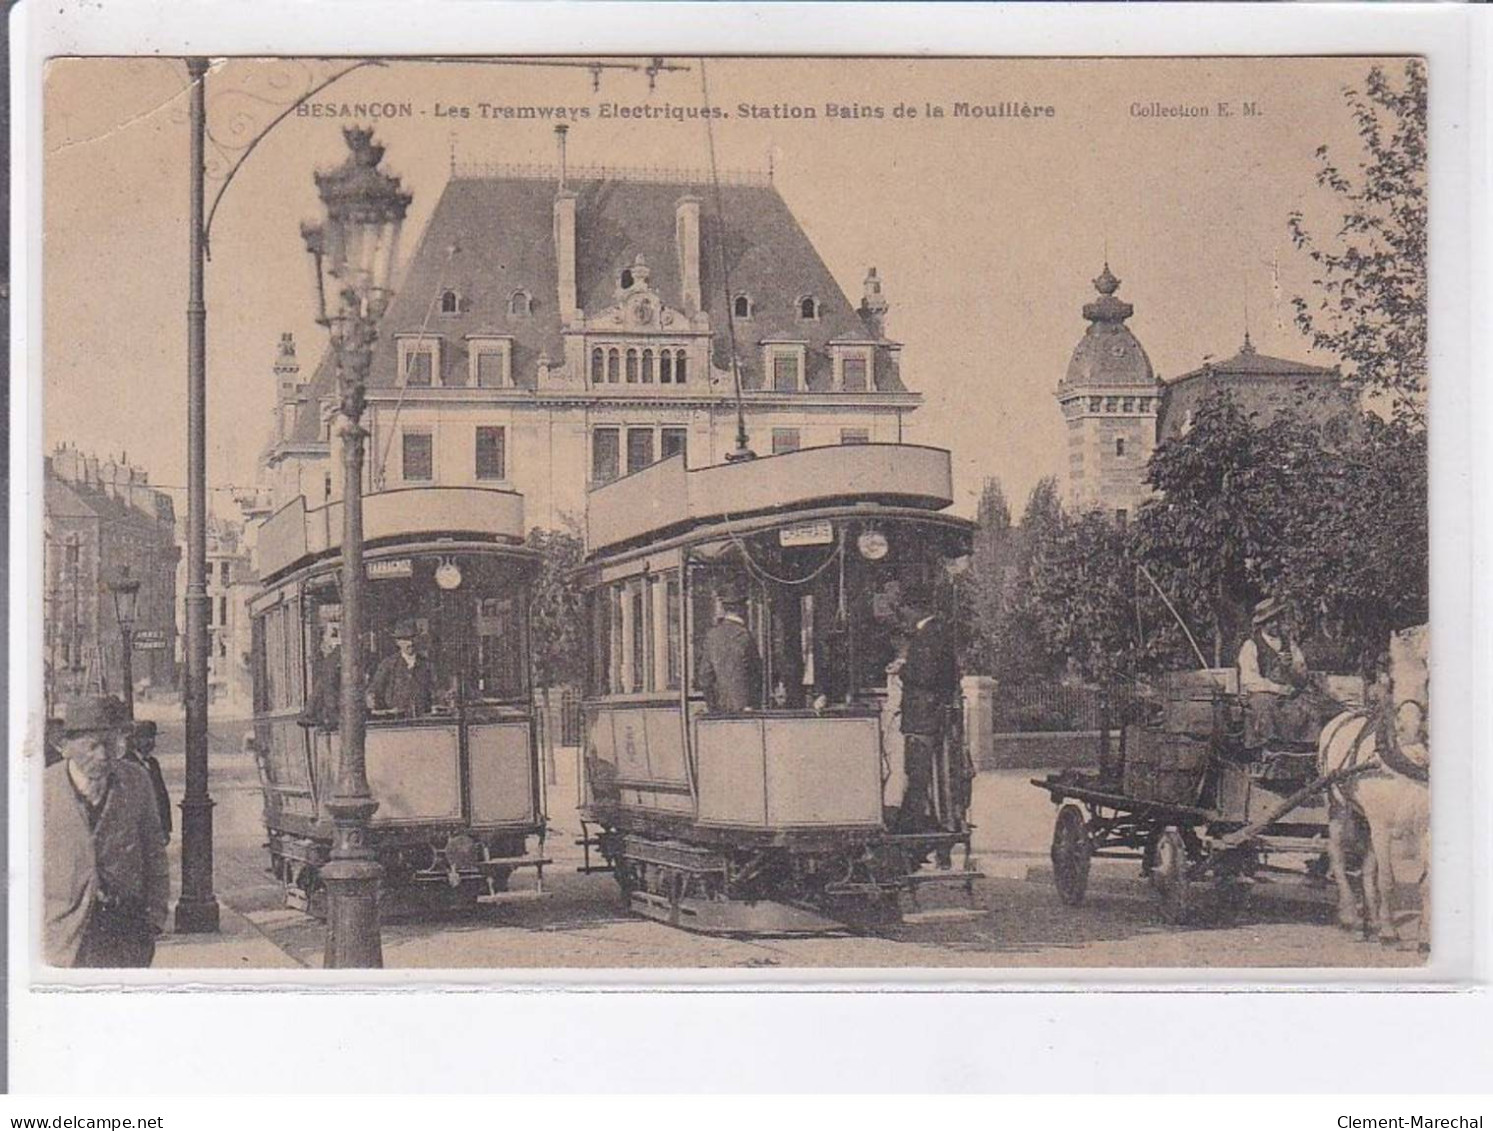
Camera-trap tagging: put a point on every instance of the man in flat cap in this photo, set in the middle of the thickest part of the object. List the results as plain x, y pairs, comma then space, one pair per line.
105, 881
403, 683
730, 672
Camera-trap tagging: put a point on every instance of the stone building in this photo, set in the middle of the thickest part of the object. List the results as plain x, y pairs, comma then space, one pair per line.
1118, 409
554, 331
100, 518
231, 581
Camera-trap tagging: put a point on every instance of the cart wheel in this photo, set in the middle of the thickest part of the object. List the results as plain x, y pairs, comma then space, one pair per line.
1169, 875
1070, 855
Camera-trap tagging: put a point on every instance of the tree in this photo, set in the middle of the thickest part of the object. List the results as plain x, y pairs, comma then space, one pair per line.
1082, 595
555, 613
1371, 308
980, 589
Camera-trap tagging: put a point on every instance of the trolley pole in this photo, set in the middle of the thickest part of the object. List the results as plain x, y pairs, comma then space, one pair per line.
197, 910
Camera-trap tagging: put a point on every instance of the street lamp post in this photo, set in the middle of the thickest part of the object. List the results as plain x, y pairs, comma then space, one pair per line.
126, 593
353, 250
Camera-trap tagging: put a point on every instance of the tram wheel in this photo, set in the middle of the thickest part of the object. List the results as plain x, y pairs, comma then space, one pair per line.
1070, 855
1169, 876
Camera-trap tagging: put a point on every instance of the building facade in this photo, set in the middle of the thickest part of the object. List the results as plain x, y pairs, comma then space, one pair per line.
553, 332
100, 520
1117, 409
231, 581
1110, 398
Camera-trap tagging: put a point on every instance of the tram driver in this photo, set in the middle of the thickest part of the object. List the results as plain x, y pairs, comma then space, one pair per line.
730, 672
930, 687
404, 683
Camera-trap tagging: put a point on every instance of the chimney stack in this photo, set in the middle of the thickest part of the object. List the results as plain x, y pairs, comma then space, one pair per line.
565, 240
874, 305
687, 241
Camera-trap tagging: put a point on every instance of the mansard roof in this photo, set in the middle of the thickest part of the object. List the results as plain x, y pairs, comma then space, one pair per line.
1249, 362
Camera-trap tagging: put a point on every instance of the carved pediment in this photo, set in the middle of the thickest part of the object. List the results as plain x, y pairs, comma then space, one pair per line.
640, 311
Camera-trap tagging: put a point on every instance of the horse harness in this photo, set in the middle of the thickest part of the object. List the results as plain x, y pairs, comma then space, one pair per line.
1380, 724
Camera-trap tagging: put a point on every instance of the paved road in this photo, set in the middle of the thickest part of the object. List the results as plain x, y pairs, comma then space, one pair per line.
1017, 920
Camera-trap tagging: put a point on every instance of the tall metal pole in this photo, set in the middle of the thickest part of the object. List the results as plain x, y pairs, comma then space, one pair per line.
353, 874
127, 670
197, 911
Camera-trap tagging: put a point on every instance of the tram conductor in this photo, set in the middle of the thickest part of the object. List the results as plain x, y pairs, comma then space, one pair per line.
730, 672
930, 685
403, 683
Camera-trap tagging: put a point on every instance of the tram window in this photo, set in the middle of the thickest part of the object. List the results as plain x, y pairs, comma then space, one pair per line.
491, 453
604, 455
500, 659
663, 615
675, 633
639, 449
675, 441
418, 456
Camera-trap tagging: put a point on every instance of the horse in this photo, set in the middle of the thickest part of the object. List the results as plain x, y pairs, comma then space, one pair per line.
1388, 794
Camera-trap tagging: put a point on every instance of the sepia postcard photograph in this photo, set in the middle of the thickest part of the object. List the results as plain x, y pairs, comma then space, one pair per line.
733, 513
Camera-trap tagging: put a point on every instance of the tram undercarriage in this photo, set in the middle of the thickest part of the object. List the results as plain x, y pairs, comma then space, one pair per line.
459, 871
778, 889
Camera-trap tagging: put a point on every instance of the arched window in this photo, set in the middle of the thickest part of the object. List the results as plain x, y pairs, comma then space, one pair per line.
665, 367
598, 366
520, 304
450, 302
625, 279
632, 367
743, 307
679, 367
614, 365
647, 367
808, 308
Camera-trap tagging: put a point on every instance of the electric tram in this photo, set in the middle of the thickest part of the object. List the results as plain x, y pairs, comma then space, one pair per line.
781, 817
454, 765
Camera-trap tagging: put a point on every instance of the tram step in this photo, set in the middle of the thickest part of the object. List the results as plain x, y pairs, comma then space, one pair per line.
514, 862
526, 896
952, 876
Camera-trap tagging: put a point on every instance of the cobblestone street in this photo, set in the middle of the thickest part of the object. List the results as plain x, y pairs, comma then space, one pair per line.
1017, 920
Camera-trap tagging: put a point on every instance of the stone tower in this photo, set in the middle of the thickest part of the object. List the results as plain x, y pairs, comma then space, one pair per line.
1110, 398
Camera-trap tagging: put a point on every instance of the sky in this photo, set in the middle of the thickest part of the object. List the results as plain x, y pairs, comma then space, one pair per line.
987, 230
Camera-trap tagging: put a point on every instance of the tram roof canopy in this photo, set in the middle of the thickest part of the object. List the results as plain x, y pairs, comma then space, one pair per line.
667, 498
296, 532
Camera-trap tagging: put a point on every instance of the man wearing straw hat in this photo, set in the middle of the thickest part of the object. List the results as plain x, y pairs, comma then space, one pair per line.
105, 879
1282, 707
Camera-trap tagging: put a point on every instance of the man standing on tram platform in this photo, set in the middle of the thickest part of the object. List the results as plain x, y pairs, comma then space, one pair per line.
403, 682
930, 685
730, 672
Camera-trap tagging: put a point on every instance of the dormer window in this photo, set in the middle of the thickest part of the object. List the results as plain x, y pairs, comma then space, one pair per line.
450, 302
784, 362
808, 309
852, 367
742, 307
419, 361
520, 305
491, 362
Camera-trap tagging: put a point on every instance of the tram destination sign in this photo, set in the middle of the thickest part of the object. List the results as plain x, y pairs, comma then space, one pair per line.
807, 534
392, 567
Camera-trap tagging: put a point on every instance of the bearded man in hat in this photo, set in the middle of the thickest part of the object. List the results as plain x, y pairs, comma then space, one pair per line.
404, 682
105, 879
730, 671
1274, 678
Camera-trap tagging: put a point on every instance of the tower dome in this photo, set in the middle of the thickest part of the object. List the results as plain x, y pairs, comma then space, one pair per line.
1108, 355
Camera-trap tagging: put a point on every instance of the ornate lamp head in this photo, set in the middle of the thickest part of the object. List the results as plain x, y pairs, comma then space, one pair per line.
126, 593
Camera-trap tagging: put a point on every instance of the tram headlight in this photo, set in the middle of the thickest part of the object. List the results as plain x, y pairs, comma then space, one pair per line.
872, 544
448, 575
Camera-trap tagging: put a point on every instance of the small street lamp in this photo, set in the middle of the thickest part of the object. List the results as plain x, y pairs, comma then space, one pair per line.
126, 593
353, 252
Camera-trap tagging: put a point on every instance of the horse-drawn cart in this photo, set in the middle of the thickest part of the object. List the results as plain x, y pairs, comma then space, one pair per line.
1183, 795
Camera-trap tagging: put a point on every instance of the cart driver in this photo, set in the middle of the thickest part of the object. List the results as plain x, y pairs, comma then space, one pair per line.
1273, 678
